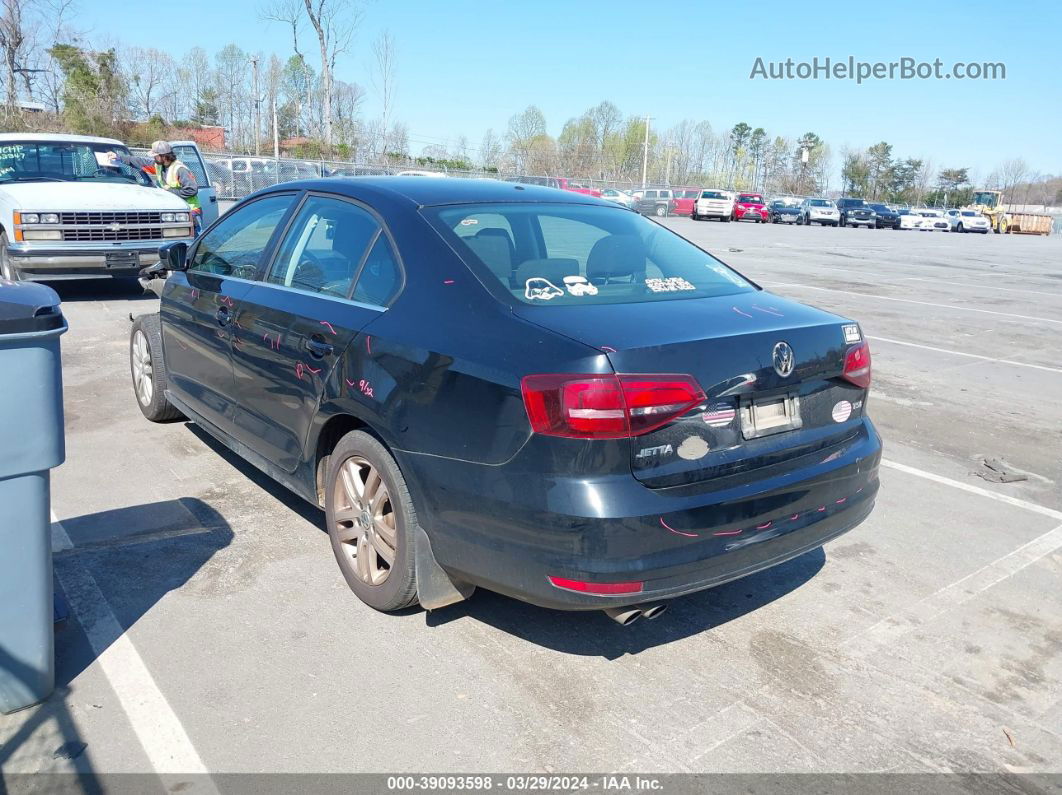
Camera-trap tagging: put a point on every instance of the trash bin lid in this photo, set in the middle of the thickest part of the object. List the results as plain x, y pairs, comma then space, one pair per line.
27, 306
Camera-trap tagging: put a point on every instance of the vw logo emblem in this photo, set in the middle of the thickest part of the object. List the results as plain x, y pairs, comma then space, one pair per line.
783, 359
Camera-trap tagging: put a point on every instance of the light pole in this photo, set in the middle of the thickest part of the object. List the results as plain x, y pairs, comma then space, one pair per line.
645, 152
257, 108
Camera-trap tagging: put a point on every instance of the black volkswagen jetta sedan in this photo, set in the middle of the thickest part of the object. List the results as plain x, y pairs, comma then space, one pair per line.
501, 385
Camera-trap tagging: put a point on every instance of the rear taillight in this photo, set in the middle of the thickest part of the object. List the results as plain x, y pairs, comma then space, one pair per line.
857, 365
606, 406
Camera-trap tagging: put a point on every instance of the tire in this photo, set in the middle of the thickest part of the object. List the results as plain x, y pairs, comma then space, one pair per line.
148, 370
7, 269
959, 227
660, 211
364, 537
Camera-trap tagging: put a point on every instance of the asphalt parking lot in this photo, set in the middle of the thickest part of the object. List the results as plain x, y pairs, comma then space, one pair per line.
212, 631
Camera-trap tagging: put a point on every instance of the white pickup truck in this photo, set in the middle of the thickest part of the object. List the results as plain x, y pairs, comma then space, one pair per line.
66, 212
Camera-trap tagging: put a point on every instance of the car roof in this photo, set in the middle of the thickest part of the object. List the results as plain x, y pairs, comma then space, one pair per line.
52, 137
430, 191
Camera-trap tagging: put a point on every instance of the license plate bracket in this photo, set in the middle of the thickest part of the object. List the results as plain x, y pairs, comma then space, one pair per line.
122, 259
769, 415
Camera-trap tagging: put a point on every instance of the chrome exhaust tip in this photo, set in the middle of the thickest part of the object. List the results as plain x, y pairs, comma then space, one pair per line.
654, 611
624, 616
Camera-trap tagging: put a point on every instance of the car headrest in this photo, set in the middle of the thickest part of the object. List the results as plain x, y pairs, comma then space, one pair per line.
554, 269
616, 257
494, 251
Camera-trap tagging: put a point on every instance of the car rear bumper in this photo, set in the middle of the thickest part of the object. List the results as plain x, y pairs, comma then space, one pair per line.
504, 529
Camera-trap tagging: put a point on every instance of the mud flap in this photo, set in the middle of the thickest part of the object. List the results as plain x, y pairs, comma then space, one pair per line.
435, 589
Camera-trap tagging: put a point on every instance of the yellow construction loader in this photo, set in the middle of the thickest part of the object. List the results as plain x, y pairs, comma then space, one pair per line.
1003, 219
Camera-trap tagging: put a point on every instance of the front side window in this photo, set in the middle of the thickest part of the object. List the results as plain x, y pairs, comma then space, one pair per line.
235, 245
324, 247
571, 254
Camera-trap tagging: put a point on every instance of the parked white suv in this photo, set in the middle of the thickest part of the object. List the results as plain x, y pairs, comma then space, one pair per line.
67, 212
713, 204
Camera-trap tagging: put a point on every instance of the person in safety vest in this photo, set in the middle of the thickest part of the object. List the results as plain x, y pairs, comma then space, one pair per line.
168, 173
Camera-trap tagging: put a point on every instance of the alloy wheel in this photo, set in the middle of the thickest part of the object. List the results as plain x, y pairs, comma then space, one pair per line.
143, 371
365, 520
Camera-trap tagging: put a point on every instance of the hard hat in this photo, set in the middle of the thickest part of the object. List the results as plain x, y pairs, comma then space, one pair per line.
161, 148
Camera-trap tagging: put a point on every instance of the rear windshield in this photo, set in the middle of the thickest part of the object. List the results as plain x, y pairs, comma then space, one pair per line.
571, 254
819, 203
713, 194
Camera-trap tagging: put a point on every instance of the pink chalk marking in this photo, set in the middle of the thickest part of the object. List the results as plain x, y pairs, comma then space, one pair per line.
326, 323
607, 349
298, 370
368, 344
794, 517
841, 501
349, 382
729, 533
315, 372
677, 532
764, 526
746, 314
821, 508
448, 281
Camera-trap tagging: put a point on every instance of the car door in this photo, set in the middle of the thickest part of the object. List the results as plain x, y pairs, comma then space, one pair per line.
333, 273
198, 305
208, 197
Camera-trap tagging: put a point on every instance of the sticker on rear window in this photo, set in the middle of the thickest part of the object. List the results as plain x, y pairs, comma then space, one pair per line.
672, 284
851, 333
578, 285
469, 222
542, 289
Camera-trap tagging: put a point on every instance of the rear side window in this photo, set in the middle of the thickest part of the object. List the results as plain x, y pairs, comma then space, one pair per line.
324, 247
571, 254
380, 277
235, 245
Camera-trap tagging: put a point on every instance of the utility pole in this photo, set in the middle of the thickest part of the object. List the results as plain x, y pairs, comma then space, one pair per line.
257, 108
645, 152
276, 132
667, 171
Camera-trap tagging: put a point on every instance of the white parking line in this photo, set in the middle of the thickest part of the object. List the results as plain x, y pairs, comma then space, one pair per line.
157, 727
958, 484
922, 303
967, 355
1041, 293
893, 628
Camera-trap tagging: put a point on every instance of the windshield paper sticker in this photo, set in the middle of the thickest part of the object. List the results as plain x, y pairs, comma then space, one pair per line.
542, 289
673, 284
578, 285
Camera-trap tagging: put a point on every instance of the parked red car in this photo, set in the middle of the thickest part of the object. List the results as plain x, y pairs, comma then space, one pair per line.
557, 182
750, 207
682, 201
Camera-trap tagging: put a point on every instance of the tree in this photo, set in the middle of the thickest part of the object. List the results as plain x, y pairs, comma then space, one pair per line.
383, 73
334, 21
757, 144
739, 137
524, 128
856, 171
879, 164
93, 92
808, 169
1012, 173
14, 41
150, 76
490, 150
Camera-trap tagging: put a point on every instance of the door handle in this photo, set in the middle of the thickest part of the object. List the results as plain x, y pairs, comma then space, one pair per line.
222, 316
318, 348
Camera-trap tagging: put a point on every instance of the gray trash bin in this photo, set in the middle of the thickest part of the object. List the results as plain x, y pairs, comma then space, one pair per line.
31, 443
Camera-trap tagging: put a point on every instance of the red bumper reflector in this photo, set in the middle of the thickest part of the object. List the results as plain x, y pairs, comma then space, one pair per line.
601, 588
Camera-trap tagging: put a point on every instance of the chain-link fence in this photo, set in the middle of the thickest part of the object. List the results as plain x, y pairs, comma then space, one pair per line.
235, 176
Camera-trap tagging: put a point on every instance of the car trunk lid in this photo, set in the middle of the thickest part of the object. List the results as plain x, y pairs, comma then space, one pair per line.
753, 418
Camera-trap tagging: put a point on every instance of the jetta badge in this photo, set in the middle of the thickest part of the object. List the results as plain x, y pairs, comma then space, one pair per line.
783, 359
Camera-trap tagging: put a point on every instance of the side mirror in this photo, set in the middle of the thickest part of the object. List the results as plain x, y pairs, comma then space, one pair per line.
174, 256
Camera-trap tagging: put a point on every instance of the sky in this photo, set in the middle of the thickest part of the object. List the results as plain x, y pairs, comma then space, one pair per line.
467, 65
